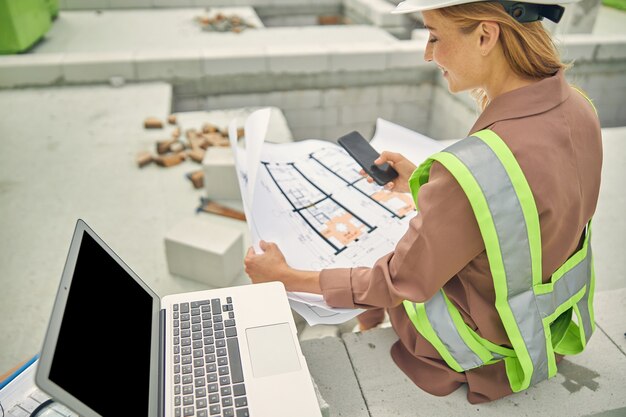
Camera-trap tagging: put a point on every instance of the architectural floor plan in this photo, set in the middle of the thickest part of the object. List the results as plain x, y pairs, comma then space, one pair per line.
309, 198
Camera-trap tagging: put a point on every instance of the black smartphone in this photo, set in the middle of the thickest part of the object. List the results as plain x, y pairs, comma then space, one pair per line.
362, 152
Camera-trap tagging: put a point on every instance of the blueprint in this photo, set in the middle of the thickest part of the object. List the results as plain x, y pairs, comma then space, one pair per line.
309, 198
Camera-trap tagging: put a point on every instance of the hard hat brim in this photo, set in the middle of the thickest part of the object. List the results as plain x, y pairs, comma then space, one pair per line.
412, 6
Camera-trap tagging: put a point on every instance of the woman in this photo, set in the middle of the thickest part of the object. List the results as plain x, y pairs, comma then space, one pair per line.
548, 140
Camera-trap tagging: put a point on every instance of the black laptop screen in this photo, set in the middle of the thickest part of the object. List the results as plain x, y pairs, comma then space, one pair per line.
103, 351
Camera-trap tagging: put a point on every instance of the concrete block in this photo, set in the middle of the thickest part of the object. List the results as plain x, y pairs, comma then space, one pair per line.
220, 176
240, 60
98, 67
311, 117
417, 94
364, 113
589, 383
299, 99
185, 104
366, 56
337, 97
204, 251
612, 49
26, 70
168, 64
295, 59
86, 4
610, 310
331, 369
318, 332
130, 4
577, 47
406, 54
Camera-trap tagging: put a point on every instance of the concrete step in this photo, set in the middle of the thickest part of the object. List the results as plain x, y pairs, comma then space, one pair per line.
589, 384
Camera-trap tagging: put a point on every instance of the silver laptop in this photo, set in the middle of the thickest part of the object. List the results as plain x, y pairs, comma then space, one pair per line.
114, 348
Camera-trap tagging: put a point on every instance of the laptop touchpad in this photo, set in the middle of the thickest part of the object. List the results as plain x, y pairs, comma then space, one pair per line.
272, 350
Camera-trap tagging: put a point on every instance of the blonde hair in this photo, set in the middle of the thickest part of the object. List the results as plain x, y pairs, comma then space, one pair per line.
528, 47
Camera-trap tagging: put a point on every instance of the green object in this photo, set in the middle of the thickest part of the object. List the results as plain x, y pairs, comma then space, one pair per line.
537, 317
53, 6
22, 23
616, 4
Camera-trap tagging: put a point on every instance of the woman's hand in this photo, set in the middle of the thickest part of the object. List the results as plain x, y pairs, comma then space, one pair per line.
267, 266
403, 166
272, 266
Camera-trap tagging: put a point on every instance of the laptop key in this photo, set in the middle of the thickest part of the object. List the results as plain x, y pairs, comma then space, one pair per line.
241, 402
227, 401
188, 400
214, 410
201, 403
202, 413
228, 412
224, 380
243, 412
216, 305
188, 411
235, 360
231, 332
212, 387
214, 398
225, 391
239, 390
188, 389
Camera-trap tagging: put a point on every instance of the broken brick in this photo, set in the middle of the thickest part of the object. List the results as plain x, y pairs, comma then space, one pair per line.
152, 123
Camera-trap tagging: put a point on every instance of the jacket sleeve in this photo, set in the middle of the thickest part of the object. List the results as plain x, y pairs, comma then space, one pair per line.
441, 240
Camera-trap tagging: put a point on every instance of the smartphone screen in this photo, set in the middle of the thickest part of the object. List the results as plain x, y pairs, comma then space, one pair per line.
365, 155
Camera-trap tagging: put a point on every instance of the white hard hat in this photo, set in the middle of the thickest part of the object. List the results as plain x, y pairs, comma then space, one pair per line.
521, 11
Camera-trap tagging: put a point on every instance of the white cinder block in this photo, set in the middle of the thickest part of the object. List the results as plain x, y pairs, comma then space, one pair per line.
82, 67
32, 69
300, 99
406, 54
228, 61
311, 117
366, 56
612, 49
577, 47
220, 176
295, 59
336, 97
406, 93
168, 64
360, 114
203, 251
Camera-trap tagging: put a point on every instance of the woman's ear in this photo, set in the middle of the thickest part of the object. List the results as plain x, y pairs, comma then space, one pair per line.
489, 35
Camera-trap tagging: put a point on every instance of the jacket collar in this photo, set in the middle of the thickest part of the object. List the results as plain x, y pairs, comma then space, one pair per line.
526, 101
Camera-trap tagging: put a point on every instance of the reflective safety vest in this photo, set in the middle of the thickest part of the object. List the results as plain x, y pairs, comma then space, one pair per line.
537, 317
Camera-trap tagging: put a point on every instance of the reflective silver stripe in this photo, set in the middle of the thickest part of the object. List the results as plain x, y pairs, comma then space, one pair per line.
442, 323
510, 226
566, 287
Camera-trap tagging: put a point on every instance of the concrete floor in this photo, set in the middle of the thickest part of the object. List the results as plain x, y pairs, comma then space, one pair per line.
69, 153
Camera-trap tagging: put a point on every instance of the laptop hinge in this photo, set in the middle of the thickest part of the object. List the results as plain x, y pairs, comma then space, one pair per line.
161, 406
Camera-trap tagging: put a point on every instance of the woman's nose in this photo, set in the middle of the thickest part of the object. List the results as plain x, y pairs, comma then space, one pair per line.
428, 52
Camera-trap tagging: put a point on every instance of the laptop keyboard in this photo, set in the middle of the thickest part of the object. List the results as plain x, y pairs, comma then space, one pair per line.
208, 377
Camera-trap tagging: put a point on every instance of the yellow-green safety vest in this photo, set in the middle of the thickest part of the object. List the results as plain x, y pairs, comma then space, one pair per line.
537, 317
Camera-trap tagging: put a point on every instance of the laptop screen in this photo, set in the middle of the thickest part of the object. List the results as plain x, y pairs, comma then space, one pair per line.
102, 356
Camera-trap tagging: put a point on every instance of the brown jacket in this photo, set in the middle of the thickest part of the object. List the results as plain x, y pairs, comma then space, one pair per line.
555, 136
